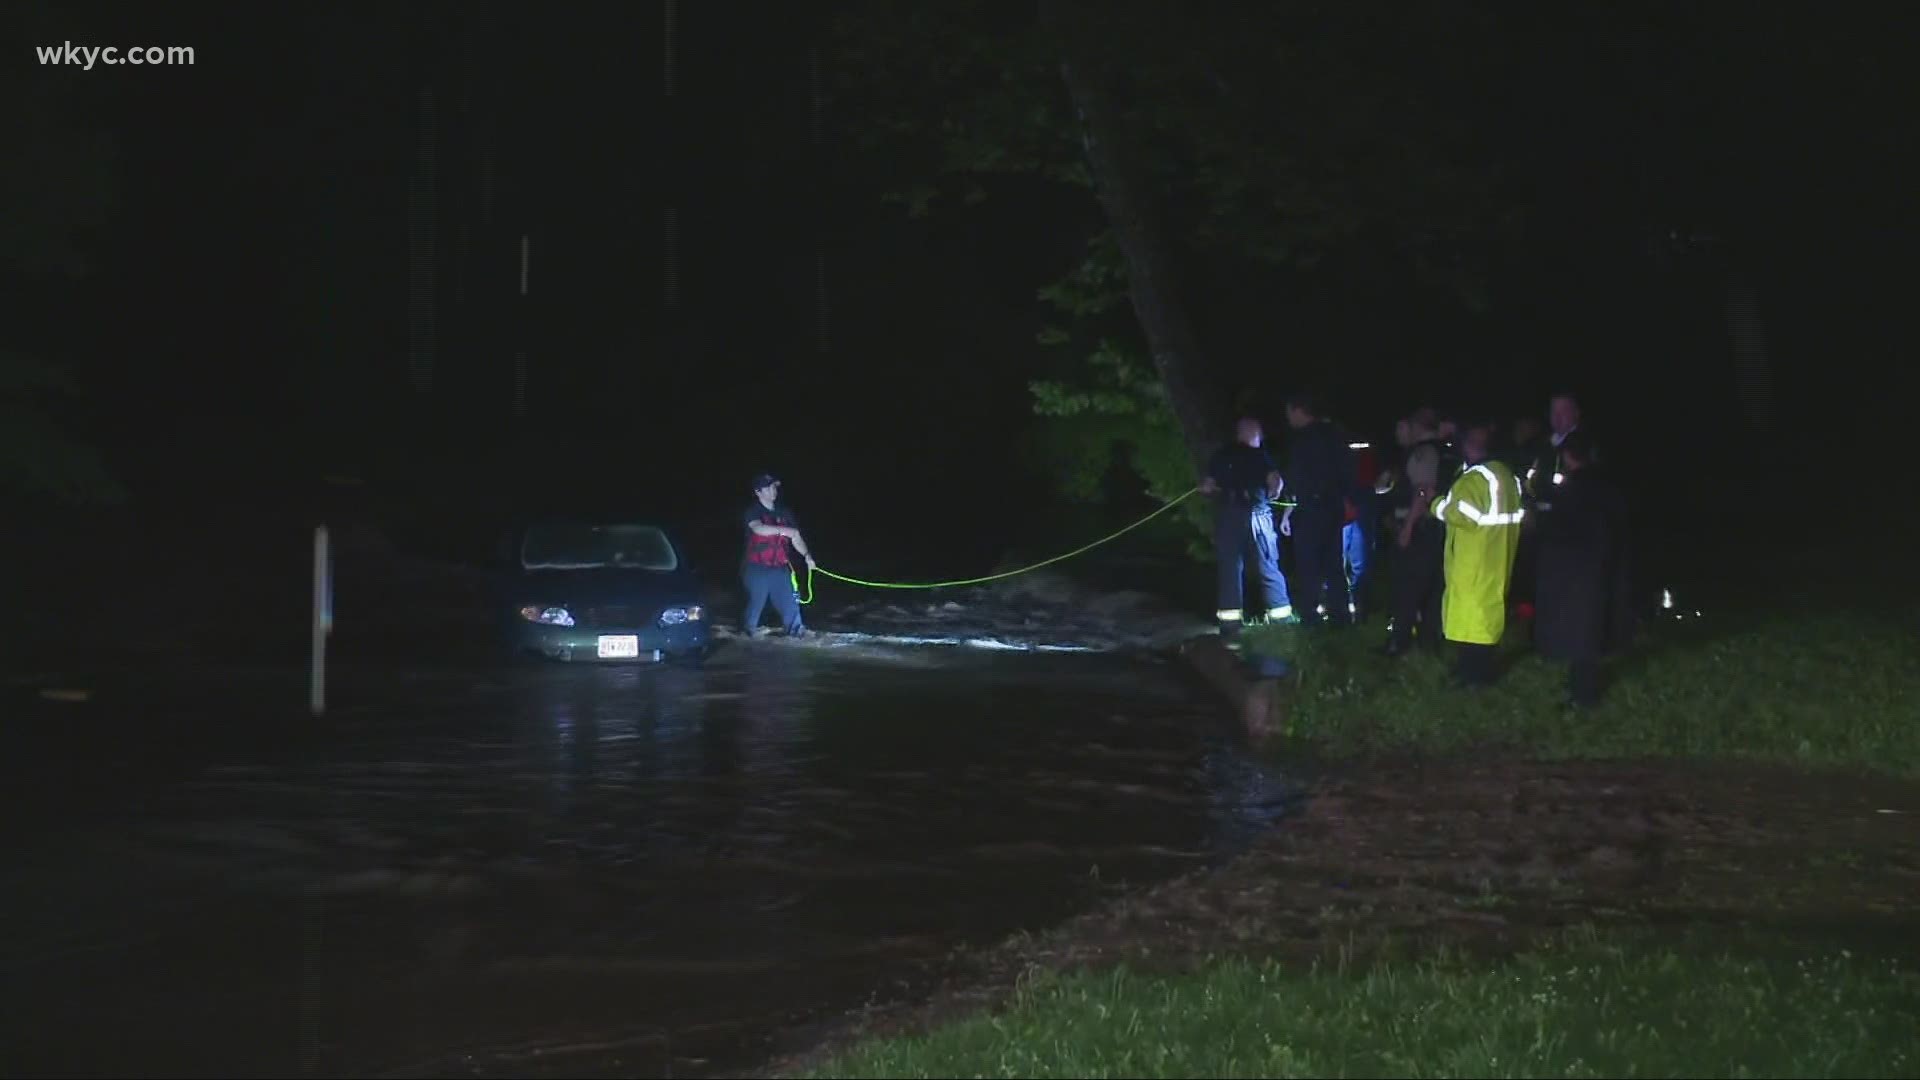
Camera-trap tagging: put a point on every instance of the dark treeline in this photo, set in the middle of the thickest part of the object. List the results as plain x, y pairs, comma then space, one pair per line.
251, 316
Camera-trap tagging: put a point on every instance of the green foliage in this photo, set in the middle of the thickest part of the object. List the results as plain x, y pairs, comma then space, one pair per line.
1113, 398
950, 96
1119, 403
1591, 1004
1096, 286
1279, 134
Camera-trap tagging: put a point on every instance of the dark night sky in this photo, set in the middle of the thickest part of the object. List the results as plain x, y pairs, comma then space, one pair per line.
249, 301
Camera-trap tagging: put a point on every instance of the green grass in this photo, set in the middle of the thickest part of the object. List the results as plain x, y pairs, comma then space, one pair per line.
1823, 689
1590, 1006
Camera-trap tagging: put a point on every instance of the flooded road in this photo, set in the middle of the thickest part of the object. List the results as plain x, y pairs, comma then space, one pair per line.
579, 870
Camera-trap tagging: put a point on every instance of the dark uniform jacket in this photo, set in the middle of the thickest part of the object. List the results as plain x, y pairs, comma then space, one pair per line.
1241, 471
1582, 597
1537, 481
1446, 468
1527, 456
1320, 468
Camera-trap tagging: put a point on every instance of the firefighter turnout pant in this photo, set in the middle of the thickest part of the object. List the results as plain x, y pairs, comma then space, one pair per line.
1244, 534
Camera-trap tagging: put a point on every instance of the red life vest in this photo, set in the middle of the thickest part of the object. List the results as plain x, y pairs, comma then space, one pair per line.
769, 551
1366, 469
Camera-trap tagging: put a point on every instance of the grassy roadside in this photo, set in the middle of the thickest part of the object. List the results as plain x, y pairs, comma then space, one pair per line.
1715, 903
1750, 778
1824, 690
1618, 1004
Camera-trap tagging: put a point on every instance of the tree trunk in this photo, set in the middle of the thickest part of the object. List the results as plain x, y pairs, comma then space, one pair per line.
1126, 196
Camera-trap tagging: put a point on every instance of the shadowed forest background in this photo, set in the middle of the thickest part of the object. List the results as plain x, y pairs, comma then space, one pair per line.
864, 250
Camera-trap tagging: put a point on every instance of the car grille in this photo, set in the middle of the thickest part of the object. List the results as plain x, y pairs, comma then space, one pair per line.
615, 615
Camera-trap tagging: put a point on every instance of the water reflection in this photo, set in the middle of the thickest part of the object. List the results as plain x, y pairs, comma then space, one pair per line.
611, 847
777, 705
567, 758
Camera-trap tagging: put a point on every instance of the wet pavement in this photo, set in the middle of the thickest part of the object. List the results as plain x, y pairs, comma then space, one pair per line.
484, 869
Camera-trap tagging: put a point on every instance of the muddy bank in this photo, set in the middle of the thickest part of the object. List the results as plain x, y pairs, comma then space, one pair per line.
1487, 856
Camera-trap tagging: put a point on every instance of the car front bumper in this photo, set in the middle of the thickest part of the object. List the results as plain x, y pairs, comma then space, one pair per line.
582, 643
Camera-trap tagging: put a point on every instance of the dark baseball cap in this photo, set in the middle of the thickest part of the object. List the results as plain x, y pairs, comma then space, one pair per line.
764, 481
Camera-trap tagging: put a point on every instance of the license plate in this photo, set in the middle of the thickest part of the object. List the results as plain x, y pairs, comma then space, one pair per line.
620, 647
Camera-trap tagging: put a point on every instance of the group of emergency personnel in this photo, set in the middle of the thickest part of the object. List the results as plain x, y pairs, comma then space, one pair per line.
1536, 528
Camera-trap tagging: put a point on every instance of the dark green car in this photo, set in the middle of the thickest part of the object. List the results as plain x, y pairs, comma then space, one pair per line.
604, 592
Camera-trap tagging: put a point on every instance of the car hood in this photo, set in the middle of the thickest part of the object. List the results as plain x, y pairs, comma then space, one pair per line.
638, 587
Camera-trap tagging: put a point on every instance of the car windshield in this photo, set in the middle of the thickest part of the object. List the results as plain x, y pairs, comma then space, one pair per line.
598, 547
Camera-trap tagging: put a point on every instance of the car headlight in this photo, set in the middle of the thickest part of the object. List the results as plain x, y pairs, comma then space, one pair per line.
675, 616
550, 616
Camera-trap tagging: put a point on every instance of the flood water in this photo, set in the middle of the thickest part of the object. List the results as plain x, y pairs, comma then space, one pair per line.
490, 870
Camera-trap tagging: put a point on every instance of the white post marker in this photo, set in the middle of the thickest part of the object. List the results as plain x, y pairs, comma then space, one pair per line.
322, 620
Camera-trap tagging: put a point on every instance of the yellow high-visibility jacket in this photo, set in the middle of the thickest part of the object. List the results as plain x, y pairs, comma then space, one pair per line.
1483, 516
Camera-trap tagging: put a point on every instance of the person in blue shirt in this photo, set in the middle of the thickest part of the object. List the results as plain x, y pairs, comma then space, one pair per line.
766, 567
1243, 482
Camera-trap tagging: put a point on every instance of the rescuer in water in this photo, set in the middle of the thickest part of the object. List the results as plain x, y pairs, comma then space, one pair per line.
1243, 482
766, 568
